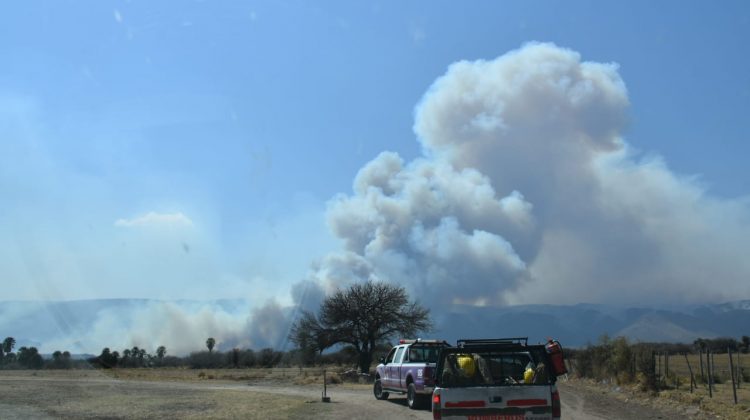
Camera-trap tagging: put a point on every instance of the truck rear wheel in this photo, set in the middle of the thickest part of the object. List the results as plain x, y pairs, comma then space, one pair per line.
377, 389
414, 400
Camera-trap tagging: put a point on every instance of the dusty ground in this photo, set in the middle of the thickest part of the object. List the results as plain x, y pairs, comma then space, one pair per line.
667, 404
143, 393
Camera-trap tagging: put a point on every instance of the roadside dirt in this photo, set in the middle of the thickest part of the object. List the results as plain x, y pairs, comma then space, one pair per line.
580, 401
91, 395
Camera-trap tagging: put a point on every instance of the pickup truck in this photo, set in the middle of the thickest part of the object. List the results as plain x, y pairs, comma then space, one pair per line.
497, 379
409, 368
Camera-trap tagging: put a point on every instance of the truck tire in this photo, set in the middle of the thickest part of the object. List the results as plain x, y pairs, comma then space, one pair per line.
414, 400
377, 389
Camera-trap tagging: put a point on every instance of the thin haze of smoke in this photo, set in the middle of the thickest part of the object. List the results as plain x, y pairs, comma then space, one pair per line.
527, 193
182, 327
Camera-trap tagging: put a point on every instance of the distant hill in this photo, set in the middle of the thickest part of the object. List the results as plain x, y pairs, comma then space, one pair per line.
82, 326
577, 325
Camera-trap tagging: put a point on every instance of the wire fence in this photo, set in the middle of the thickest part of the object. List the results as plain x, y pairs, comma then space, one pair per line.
704, 370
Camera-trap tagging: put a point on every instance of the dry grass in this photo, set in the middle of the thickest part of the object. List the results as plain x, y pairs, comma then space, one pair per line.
722, 403
297, 376
679, 366
182, 374
93, 394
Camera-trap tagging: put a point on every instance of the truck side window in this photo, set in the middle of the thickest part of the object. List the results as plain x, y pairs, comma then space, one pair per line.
397, 358
389, 358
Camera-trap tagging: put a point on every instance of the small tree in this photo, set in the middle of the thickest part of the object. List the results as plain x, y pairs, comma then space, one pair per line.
57, 360
210, 343
67, 360
108, 359
29, 357
745, 344
160, 352
135, 354
363, 316
8, 344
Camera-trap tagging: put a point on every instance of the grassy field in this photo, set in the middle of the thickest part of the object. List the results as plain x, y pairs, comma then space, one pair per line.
722, 402
98, 394
191, 393
678, 366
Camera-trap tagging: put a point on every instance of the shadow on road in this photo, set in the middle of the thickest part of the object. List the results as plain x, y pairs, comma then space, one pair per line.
402, 402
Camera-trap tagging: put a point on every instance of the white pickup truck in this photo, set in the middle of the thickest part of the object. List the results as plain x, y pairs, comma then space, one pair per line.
498, 379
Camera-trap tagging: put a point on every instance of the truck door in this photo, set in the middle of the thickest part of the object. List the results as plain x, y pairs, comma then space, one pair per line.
394, 369
385, 380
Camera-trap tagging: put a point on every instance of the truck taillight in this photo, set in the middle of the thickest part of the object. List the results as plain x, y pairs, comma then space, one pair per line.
436, 407
556, 411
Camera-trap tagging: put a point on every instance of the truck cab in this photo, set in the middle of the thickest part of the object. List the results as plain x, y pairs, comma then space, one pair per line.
409, 369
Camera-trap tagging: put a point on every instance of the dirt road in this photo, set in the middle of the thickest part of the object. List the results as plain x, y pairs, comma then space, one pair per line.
41, 396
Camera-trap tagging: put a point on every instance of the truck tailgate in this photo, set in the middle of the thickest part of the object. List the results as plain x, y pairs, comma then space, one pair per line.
494, 402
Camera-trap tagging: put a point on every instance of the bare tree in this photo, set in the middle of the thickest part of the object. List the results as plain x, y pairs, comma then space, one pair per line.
363, 315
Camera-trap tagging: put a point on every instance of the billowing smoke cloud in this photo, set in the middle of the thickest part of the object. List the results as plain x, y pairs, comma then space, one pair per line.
527, 193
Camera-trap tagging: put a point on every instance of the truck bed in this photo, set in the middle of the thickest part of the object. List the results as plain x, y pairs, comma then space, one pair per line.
495, 381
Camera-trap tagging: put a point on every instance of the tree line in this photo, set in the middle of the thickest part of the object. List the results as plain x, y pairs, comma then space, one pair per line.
350, 326
136, 357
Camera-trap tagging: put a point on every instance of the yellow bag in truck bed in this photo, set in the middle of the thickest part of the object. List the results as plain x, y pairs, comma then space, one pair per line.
466, 363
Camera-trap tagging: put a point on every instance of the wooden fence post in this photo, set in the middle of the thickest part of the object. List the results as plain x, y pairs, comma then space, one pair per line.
739, 370
692, 379
710, 376
713, 365
658, 364
731, 370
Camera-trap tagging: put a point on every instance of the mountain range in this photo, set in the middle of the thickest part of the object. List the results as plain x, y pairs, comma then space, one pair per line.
37, 323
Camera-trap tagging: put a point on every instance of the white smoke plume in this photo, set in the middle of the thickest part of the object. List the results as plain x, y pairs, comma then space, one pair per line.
527, 192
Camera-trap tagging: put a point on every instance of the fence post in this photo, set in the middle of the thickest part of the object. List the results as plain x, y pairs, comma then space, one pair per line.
739, 369
700, 357
713, 365
710, 376
692, 379
731, 370
658, 364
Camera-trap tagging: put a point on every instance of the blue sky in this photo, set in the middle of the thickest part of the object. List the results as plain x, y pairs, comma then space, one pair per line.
233, 123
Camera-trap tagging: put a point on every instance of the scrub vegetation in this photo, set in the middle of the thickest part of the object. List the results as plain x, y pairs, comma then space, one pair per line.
672, 372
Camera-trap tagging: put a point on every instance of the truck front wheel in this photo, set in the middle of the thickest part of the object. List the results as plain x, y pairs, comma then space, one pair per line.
377, 389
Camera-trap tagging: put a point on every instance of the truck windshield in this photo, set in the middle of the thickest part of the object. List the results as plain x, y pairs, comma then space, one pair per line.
492, 368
